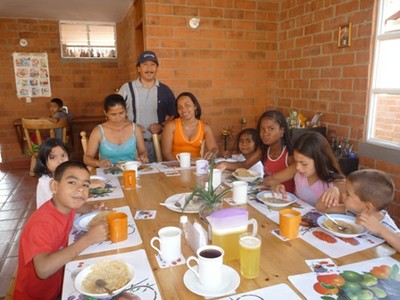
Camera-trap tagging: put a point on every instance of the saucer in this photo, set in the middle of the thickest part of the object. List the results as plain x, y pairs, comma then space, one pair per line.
230, 282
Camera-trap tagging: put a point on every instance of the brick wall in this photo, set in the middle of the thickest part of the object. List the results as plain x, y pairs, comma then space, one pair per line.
314, 75
388, 118
81, 84
229, 62
317, 76
247, 56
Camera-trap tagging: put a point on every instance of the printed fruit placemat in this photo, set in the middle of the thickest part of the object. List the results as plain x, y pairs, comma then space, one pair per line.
368, 280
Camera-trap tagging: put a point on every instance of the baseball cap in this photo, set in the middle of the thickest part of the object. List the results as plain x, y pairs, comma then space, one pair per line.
145, 56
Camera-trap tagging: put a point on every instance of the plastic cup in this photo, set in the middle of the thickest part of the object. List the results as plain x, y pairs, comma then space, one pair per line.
289, 223
129, 179
118, 224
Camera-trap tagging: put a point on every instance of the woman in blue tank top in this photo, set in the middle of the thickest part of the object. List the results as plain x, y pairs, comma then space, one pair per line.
117, 139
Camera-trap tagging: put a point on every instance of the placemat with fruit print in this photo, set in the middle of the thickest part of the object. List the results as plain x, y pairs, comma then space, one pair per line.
111, 190
144, 285
372, 279
133, 236
332, 245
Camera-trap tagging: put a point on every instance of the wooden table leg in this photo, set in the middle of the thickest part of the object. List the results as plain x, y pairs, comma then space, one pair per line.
20, 136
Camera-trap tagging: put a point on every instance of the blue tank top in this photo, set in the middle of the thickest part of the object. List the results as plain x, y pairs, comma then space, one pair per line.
115, 153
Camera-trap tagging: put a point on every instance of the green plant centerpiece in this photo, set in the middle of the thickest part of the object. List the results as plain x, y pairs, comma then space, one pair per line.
209, 199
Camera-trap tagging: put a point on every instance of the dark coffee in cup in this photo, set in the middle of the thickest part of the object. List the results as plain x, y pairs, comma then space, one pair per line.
209, 261
210, 253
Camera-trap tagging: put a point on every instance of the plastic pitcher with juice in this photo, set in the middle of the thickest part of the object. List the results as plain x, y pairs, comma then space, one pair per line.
226, 227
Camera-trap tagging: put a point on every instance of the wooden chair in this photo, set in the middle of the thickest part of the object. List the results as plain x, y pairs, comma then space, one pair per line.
41, 129
203, 149
83, 141
157, 146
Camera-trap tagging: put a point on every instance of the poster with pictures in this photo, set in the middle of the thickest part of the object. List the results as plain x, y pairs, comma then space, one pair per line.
32, 76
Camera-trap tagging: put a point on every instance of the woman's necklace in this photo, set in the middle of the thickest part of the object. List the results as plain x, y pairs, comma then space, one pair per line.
117, 128
190, 126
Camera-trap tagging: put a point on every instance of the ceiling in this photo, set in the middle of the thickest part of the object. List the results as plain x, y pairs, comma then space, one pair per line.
68, 10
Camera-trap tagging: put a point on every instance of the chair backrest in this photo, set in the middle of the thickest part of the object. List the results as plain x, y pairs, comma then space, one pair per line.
157, 146
37, 127
203, 148
84, 141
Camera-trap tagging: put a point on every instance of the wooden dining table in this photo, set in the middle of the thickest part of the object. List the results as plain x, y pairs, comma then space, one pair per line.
279, 259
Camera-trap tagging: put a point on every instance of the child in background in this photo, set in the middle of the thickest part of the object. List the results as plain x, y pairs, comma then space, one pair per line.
277, 152
57, 111
317, 168
249, 144
53, 152
56, 114
368, 193
44, 250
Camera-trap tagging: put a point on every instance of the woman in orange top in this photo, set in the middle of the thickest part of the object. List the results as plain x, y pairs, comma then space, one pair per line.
187, 133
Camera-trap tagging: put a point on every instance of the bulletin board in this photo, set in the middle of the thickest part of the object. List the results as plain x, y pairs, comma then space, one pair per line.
32, 76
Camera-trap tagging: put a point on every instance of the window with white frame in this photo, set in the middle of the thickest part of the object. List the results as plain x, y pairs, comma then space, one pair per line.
87, 40
384, 108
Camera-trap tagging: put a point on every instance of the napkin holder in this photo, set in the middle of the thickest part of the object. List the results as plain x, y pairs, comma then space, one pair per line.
197, 236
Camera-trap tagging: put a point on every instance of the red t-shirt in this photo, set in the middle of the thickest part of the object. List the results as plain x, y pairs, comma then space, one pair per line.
46, 231
272, 166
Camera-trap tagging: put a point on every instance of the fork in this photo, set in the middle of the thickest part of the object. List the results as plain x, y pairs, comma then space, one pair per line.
340, 227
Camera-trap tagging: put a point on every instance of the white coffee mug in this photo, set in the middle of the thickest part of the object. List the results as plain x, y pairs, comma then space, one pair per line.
170, 243
239, 192
209, 265
201, 166
217, 178
184, 159
131, 165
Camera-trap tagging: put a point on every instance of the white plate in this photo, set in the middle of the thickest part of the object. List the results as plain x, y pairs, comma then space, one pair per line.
96, 177
82, 275
222, 159
266, 194
230, 282
190, 209
345, 218
82, 222
255, 175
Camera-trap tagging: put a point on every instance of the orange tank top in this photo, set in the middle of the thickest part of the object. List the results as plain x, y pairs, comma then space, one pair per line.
180, 142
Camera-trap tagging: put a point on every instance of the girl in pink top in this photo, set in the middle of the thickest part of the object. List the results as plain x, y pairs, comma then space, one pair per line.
277, 154
316, 167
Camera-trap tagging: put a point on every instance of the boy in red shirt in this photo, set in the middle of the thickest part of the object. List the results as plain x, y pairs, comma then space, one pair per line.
43, 250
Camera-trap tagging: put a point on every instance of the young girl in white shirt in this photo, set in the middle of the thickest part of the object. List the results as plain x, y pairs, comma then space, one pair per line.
53, 152
249, 144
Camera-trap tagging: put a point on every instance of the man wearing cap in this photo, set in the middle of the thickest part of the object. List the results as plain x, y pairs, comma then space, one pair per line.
149, 103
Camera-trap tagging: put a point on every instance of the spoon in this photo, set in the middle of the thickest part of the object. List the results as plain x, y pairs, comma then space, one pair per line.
101, 283
177, 204
340, 227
